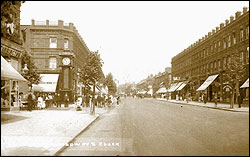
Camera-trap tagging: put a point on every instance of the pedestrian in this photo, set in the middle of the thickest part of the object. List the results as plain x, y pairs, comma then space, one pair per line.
187, 97
240, 100
215, 99
30, 101
205, 98
99, 99
66, 99
118, 100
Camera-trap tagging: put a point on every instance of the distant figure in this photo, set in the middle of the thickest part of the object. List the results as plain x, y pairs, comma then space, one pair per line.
118, 100
215, 99
66, 99
240, 100
205, 98
30, 101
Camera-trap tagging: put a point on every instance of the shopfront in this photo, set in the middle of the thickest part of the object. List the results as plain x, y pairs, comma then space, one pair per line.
10, 79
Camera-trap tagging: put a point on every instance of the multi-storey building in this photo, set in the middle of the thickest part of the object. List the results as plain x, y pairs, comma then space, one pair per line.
11, 51
210, 55
58, 51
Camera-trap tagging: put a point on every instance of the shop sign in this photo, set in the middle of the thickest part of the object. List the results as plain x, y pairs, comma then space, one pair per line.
6, 51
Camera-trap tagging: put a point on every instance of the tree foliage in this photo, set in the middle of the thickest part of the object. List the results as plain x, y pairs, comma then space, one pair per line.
110, 83
31, 75
236, 71
91, 70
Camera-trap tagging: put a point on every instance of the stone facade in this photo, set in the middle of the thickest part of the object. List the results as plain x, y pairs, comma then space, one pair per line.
210, 54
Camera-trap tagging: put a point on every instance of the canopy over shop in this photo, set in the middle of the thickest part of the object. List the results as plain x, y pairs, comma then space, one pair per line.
47, 83
208, 81
9, 85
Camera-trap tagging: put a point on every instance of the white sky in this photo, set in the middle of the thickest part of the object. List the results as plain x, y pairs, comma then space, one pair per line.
135, 38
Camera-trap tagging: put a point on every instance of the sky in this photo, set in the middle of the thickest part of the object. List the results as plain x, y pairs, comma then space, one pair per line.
135, 38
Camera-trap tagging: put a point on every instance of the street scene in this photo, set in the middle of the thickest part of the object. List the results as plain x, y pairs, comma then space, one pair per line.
124, 78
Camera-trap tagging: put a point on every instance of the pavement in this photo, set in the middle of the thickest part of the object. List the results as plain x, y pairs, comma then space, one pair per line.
42, 132
220, 106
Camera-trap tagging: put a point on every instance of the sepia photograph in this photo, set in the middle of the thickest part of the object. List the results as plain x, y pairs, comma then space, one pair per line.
124, 78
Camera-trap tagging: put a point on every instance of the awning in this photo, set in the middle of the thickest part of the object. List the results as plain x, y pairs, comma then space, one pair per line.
150, 92
162, 90
182, 86
246, 84
9, 73
142, 92
208, 81
177, 86
47, 83
172, 87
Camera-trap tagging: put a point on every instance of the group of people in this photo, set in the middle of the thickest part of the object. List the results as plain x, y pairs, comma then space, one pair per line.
99, 100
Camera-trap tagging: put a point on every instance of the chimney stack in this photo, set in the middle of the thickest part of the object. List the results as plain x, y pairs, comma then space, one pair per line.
244, 10
227, 22
221, 26
231, 19
217, 29
237, 14
213, 31
209, 33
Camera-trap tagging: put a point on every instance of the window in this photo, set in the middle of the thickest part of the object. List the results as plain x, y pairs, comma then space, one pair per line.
247, 32
234, 38
241, 56
211, 66
229, 41
224, 43
228, 59
218, 45
241, 34
247, 55
215, 45
215, 66
212, 48
52, 63
53, 43
224, 62
66, 43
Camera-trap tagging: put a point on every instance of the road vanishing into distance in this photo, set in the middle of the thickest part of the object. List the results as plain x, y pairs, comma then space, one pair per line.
153, 127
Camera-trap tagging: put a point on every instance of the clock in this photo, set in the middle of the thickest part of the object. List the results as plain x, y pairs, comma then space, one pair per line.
66, 61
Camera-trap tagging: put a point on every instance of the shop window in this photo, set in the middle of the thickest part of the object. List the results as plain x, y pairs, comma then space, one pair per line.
241, 35
52, 63
53, 43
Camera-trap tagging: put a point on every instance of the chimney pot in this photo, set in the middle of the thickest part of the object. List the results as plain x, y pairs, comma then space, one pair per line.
227, 22
244, 10
221, 26
209, 33
237, 14
213, 31
231, 19
217, 29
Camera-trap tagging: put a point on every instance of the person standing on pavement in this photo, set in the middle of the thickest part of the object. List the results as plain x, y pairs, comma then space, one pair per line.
240, 100
66, 100
205, 97
215, 98
30, 101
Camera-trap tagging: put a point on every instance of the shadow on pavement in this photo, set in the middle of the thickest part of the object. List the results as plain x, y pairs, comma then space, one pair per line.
8, 118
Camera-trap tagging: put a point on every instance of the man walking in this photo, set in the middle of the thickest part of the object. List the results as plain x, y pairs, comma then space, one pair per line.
30, 101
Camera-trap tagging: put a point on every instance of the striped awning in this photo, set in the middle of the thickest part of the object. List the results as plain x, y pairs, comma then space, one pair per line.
162, 90
9, 73
246, 84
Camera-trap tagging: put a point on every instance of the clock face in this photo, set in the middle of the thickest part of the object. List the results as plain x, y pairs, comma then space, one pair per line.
66, 61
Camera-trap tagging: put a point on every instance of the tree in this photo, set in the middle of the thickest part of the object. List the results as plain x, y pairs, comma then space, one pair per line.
110, 83
91, 73
236, 71
31, 75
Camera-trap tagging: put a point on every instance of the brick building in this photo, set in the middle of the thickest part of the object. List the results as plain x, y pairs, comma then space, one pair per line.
209, 57
11, 51
58, 51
